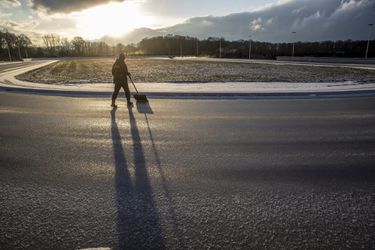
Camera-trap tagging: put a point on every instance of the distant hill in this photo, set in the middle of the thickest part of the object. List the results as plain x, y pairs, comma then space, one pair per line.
133, 37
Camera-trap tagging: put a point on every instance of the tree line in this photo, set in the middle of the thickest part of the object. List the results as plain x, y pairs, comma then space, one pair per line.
17, 47
219, 47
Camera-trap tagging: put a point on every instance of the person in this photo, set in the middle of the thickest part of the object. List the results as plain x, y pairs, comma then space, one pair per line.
120, 79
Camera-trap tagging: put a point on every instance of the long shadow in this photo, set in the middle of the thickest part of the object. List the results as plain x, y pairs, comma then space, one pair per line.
138, 224
145, 108
171, 211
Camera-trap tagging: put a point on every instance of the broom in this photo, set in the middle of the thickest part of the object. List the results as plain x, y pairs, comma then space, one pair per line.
138, 97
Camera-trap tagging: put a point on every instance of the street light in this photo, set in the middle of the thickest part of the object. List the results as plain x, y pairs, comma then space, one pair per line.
169, 36
169, 48
197, 47
220, 49
180, 47
294, 40
249, 47
369, 38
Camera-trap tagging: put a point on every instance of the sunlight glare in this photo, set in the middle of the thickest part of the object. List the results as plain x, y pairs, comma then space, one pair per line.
114, 19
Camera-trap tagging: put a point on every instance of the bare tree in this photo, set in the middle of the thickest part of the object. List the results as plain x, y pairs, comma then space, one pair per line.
55, 40
26, 42
46, 41
78, 44
66, 46
51, 41
10, 40
18, 43
87, 46
102, 48
22, 41
2, 40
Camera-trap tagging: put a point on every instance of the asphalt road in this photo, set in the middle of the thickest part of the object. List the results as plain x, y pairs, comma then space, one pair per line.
177, 174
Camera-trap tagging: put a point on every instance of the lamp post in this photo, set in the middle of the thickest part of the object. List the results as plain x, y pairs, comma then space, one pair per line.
169, 49
294, 40
249, 47
220, 49
197, 47
369, 38
169, 36
180, 47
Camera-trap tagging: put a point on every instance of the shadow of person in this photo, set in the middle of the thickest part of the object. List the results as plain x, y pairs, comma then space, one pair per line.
178, 235
138, 225
145, 108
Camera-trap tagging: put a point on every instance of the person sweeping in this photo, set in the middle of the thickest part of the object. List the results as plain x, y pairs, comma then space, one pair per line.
120, 79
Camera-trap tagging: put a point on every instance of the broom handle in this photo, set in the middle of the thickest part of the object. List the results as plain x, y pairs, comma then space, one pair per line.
133, 84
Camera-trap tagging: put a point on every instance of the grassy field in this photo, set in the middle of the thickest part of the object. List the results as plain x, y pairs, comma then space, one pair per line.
160, 70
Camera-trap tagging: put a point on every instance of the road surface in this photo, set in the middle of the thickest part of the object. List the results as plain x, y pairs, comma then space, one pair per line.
180, 174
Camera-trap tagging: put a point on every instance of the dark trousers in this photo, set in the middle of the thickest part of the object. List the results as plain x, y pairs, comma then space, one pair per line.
118, 86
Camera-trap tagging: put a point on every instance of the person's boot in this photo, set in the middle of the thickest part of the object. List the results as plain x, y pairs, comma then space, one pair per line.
130, 103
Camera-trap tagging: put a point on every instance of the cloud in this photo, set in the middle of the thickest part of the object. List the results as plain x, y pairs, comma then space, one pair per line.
67, 6
34, 24
25, 27
272, 5
195, 8
60, 25
297, 11
10, 3
312, 20
256, 24
347, 5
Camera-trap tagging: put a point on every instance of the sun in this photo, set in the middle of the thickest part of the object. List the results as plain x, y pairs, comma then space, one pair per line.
114, 19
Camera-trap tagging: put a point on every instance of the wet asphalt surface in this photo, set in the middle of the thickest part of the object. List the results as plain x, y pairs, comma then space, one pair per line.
186, 174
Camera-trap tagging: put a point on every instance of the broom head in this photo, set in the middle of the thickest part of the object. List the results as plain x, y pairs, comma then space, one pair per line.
140, 98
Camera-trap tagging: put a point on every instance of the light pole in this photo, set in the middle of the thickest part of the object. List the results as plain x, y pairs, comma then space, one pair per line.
169, 37
169, 48
369, 38
220, 49
181, 48
249, 47
197, 47
294, 40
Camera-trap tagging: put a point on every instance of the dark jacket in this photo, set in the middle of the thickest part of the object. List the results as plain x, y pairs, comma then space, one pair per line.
120, 72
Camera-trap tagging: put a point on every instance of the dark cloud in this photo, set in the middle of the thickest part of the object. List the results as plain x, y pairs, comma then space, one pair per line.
313, 20
67, 6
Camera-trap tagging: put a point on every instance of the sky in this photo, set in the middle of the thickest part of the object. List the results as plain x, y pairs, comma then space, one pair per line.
93, 19
267, 20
